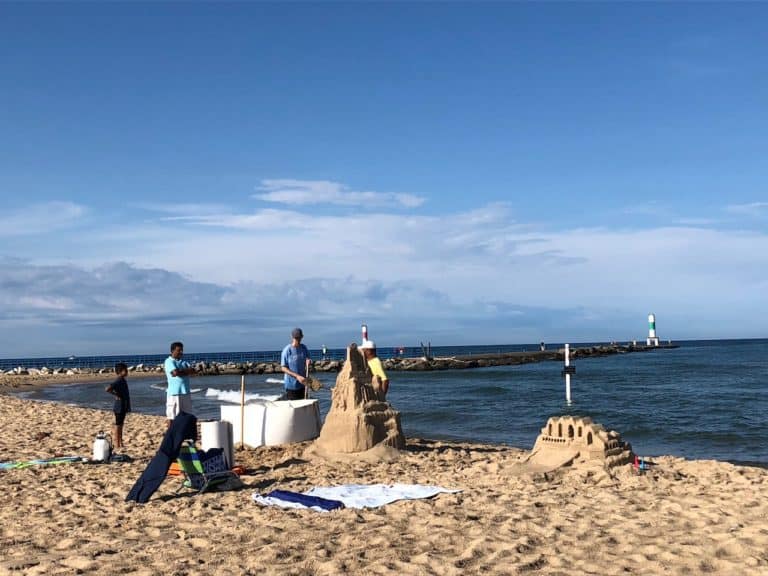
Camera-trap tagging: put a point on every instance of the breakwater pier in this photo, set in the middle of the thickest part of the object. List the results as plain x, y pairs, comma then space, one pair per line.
268, 362
513, 358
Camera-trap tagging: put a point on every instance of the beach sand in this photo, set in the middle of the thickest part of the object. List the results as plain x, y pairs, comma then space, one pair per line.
682, 517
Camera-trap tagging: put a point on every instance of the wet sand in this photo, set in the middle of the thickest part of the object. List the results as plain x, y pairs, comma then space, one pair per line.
21, 381
682, 517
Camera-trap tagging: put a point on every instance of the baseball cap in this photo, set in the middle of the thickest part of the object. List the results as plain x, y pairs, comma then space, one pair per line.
368, 345
297, 333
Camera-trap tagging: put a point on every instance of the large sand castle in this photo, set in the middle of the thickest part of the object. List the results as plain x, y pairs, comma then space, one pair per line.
360, 419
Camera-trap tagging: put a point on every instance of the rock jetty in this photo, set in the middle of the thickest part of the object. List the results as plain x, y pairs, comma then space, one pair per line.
406, 364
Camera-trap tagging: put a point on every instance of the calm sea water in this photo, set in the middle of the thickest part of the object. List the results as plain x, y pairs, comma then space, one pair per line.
706, 399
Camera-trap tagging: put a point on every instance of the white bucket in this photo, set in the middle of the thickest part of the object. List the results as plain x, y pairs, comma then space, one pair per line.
216, 434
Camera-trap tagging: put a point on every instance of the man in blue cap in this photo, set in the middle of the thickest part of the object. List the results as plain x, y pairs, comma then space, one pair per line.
295, 364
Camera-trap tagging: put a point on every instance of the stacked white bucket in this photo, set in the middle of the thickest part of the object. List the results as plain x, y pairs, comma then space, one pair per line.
217, 434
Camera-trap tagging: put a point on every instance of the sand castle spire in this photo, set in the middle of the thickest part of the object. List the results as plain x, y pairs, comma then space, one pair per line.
359, 419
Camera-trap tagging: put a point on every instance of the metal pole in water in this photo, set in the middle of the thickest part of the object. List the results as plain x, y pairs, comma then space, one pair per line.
567, 373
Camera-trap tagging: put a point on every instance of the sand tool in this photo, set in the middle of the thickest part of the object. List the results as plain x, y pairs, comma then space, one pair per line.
312, 383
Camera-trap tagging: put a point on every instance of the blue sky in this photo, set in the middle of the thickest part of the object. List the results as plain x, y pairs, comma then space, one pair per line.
458, 173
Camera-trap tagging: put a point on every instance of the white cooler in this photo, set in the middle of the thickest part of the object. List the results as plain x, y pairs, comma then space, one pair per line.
272, 423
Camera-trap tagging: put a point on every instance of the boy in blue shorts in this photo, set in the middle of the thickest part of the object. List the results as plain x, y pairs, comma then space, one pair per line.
122, 405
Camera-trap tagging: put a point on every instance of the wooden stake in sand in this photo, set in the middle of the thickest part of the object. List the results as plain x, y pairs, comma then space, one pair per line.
242, 411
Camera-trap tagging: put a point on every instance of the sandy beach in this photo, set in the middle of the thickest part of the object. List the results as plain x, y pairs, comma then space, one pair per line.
682, 517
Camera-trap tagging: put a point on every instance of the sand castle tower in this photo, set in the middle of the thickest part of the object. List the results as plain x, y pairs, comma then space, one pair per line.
359, 418
569, 440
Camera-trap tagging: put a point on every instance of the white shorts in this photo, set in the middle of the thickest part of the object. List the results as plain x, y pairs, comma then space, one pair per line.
176, 404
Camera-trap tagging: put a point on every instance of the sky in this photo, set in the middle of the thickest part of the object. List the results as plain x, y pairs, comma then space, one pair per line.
458, 173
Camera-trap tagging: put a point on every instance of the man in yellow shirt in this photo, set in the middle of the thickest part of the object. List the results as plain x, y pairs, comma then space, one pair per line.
374, 363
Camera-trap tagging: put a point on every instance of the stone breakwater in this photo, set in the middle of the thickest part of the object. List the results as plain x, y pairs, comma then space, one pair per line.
405, 364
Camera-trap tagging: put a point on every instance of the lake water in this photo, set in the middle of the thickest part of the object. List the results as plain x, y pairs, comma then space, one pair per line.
706, 399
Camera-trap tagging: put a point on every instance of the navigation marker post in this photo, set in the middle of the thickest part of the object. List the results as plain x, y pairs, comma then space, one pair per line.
242, 411
652, 339
567, 371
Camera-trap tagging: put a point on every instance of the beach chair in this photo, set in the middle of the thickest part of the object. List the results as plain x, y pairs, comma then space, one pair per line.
205, 470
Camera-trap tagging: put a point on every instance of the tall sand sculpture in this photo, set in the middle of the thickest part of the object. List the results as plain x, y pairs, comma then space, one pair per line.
360, 419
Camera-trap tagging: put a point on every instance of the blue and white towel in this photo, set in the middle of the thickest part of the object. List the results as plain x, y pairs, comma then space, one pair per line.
354, 495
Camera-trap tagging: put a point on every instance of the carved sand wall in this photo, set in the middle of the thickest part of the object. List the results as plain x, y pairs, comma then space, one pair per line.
573, 439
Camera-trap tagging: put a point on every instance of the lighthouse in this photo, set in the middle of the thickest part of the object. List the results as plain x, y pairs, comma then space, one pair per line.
652, 339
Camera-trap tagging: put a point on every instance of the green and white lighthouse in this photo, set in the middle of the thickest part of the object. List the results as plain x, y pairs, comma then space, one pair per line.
652, 339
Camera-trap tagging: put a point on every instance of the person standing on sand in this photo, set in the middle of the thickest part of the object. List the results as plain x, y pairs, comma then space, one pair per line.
177, 371
122, 405
295, 362
374, 363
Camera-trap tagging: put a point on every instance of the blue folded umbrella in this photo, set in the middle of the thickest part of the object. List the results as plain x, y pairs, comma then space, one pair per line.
307, 501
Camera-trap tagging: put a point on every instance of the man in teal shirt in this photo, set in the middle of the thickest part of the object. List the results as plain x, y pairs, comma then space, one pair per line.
177, 371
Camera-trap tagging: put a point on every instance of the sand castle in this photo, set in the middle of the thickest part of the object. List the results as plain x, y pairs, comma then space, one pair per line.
360, 418
567, 440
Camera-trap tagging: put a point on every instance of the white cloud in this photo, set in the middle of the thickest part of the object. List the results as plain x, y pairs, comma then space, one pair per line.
121, 308
41, 218
236, 281
64, 292
750, 209
305, 192
650, 208
696, 222
183, 209
483, 252
261, 220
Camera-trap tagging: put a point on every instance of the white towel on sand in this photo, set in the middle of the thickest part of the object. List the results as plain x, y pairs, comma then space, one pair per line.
362, 495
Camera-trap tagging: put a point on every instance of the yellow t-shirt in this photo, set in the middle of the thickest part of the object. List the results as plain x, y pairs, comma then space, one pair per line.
377, 369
